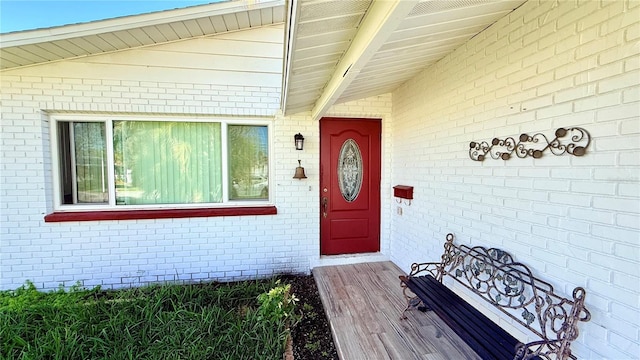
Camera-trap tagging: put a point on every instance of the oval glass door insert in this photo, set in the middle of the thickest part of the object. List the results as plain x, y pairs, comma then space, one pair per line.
350, 170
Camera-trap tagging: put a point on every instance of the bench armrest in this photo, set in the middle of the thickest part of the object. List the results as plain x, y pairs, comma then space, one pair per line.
432, 268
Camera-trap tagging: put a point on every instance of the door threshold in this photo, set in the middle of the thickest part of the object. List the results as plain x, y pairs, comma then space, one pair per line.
346, 259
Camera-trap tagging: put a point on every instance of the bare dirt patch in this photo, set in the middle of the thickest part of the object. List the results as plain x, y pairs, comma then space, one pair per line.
312, 335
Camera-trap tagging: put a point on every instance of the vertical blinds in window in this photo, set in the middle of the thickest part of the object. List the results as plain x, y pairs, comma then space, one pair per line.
167, 162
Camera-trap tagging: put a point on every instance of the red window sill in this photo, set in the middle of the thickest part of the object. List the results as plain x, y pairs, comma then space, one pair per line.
158, 214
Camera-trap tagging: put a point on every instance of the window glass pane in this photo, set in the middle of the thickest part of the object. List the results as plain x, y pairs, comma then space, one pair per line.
350, 170
248, 162
167, 162
88, 160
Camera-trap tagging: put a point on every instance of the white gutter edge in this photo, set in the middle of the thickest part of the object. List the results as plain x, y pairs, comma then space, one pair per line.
131, 22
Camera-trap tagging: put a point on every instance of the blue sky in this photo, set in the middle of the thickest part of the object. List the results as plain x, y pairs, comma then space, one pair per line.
18, 15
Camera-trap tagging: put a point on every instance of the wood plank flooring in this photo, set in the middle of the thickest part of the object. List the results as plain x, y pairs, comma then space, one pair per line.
364, 302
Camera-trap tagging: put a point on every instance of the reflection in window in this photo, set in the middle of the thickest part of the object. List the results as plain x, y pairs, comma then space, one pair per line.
248, 162
103, 162
84, 163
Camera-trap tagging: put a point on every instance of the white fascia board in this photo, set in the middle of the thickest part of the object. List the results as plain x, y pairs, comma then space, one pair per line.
381, 20
131, 22
289, 44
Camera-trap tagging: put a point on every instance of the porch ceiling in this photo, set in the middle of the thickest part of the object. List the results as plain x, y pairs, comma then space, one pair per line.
343, 50
31, 47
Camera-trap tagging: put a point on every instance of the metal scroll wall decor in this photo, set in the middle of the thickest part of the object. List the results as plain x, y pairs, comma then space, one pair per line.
572, 141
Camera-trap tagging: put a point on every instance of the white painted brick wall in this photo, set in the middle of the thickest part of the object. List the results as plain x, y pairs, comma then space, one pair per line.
547, 65
128, 253
574, 220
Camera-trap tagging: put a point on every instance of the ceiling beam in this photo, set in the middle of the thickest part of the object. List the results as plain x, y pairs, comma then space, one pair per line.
382, 18
289, 45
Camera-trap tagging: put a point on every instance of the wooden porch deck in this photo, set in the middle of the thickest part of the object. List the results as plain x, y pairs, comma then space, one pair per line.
364, 302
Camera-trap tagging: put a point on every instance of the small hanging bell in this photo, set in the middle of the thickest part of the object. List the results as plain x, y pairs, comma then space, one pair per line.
299, 172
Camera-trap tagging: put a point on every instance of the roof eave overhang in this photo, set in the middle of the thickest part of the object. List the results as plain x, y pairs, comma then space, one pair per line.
380, 21
129, 22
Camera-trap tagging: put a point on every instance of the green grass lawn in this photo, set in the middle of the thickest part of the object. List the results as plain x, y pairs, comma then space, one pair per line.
244, 320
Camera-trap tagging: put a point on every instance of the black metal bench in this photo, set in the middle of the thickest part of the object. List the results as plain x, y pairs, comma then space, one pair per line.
510, 287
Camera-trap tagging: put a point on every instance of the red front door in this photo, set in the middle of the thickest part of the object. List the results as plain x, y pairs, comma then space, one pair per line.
349, 185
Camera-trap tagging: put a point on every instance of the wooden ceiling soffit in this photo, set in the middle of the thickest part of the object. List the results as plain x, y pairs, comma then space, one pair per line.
380, 21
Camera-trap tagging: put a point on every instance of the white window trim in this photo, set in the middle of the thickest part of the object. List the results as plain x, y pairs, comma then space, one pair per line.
58, 206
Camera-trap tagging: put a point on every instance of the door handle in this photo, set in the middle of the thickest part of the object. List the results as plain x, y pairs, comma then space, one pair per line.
325, 205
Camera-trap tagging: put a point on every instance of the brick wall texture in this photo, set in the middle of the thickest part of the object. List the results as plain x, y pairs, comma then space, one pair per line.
549, 64
125, 253
574, 220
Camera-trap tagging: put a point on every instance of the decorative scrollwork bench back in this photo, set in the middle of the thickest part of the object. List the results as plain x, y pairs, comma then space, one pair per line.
511, 287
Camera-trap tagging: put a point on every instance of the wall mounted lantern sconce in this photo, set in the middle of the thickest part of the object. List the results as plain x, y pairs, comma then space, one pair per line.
299, 172
299, 141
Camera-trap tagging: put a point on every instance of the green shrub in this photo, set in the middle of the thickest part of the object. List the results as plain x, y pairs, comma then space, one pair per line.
279, 305
27, 296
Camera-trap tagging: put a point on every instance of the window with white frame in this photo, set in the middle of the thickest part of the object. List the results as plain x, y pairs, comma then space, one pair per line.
117, 162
